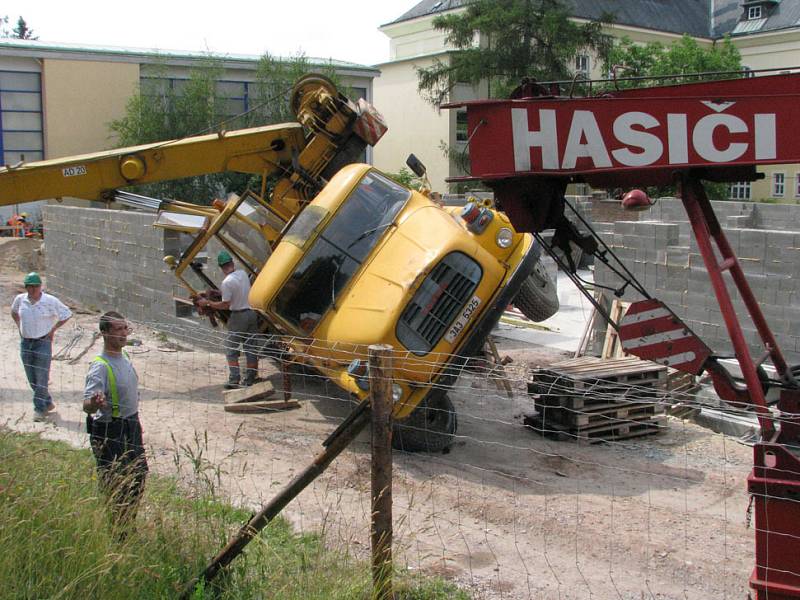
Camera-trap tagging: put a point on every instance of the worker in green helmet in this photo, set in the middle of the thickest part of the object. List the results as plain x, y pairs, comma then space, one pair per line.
38, 316
243, 327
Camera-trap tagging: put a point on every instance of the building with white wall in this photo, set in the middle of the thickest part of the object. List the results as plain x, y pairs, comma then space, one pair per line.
766, 32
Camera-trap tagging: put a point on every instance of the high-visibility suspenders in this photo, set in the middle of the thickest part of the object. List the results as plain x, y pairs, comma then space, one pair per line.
112, 383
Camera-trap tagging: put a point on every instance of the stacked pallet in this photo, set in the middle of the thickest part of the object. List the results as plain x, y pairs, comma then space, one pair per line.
593, 400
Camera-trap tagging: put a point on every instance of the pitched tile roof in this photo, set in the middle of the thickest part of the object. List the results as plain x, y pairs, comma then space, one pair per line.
698, 18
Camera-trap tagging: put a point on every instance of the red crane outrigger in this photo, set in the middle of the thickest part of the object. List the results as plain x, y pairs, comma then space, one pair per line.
528, 148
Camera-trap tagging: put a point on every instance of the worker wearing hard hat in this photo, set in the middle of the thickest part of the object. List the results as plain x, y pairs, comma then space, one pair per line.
38, 316
20, 225
242, 325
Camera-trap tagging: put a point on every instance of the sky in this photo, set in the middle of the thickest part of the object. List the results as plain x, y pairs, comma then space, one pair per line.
317, 28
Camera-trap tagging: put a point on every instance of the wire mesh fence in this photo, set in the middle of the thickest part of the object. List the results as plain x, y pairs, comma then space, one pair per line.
527, 500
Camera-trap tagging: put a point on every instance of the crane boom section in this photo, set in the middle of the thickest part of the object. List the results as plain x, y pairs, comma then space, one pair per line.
258, 150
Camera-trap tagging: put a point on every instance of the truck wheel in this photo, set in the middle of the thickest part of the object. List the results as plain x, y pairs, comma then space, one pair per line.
429, 428
537, 299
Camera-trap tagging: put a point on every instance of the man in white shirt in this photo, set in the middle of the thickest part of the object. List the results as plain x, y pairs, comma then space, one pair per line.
243, 322
38, 316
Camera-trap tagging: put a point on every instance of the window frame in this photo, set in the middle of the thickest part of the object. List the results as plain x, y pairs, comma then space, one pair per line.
775, 184
579, 67
740, 190
24, 153
754, 12
462, 127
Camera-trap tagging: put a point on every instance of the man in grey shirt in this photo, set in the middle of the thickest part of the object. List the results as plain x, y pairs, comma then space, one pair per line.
111, 398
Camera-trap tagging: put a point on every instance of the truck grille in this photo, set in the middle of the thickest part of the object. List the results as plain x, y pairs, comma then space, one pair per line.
437, 302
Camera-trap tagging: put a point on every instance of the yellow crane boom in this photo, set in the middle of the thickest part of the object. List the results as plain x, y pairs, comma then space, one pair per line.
259, 150
330, 131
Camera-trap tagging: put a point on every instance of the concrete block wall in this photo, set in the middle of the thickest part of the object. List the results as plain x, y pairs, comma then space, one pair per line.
662, 254
111, 260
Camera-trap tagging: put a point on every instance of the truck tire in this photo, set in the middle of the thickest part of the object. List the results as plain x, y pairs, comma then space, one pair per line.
537, 299
429, 428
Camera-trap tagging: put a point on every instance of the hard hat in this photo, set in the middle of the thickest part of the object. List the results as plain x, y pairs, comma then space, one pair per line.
32, 278
223, 258
23, 215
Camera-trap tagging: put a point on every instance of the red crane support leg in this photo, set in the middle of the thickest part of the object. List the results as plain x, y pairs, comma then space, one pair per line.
705, 226
775, 480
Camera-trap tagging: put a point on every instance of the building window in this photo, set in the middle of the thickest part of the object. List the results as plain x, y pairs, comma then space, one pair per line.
236, 97
739, 191
753, 12
582, 64
21, 130
797, 185
462, 129
778, 185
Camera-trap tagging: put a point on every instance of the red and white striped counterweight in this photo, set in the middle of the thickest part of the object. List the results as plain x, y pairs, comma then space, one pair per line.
653, 332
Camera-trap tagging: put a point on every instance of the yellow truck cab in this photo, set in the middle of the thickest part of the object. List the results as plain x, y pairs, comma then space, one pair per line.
369, 261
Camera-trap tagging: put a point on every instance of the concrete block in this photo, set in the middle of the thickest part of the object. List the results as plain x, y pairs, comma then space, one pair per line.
779, 268
624, 227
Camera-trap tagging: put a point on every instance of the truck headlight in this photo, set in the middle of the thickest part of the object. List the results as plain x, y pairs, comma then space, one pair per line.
504, 237
397, 392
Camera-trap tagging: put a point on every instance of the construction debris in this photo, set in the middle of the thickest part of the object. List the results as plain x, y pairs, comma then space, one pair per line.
255, 398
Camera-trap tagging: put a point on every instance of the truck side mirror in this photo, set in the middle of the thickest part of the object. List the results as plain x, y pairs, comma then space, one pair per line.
416, 165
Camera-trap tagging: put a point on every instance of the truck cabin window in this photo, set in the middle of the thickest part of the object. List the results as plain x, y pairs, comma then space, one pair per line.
339, 250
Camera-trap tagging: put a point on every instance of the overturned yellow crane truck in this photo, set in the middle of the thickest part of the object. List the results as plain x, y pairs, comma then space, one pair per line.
341, 256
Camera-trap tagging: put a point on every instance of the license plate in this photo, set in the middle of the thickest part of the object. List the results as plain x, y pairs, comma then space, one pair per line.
462, 320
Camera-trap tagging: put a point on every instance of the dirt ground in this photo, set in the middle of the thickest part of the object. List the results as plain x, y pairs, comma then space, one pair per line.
505, 513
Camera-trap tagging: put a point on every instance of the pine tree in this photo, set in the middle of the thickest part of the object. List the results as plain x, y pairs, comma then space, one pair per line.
22, 31
518, 39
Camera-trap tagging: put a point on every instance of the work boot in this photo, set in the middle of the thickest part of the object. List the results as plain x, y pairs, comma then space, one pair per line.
251, 377
233, 378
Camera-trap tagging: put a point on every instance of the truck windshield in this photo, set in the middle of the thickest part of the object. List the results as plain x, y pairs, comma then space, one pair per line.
340, 249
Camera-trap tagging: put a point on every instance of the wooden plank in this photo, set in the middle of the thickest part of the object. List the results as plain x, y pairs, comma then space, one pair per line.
582, 421
261, 406
611, 345
257, 391
581, 405
501, 381
595, 434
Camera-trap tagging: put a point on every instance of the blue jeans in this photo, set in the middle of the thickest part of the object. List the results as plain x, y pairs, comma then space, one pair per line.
36, 360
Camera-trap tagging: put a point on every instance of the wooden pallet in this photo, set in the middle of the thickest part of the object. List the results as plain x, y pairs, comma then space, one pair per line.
590, 373
595, 435
598, 399
611, 415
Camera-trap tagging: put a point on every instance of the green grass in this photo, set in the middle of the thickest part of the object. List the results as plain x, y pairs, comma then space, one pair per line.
56, 543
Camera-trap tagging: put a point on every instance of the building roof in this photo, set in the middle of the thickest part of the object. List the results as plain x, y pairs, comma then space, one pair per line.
698, 18
129, 54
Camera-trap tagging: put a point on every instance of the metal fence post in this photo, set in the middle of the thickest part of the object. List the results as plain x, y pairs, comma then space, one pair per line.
380, 368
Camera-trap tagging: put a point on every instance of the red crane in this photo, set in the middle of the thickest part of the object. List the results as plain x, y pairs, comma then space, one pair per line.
528, 148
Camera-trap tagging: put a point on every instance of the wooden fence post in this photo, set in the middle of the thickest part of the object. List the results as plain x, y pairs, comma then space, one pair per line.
380, 385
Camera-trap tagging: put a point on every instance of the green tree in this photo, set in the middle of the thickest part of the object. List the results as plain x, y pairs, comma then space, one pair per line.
164, 109
406, 178
518, 39
666, 63
22, 31
669, 64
